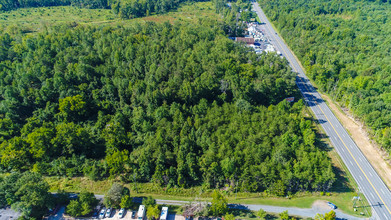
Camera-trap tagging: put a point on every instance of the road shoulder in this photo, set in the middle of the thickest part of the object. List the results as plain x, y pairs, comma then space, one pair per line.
376, 156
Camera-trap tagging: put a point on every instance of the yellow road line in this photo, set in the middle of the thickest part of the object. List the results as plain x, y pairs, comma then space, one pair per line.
332, 126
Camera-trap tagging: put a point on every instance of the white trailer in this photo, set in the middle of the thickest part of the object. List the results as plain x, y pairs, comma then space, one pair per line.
164, 213
141, 212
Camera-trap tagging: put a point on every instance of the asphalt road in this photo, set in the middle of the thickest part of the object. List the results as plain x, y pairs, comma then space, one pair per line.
369, 182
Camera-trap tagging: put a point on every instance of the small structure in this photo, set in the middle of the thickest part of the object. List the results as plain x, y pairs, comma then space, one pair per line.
164, 213
141, 212
247, 40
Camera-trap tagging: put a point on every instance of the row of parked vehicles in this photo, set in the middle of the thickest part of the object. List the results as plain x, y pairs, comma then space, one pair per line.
107, 213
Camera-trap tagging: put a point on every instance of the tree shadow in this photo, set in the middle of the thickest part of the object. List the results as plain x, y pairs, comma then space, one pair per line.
342, 182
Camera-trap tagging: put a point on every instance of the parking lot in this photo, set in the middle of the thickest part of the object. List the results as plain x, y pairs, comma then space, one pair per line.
128, 216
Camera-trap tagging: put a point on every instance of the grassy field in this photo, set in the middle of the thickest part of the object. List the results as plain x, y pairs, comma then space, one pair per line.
30, 20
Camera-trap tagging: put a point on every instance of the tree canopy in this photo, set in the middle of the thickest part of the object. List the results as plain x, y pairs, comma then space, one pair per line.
219, 204
27, 193
84, 205
176, 104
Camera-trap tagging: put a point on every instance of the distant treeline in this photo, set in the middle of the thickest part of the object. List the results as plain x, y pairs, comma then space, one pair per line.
141, 8
7, 5
123, 8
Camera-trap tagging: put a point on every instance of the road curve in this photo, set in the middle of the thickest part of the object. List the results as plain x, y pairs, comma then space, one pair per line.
369, 182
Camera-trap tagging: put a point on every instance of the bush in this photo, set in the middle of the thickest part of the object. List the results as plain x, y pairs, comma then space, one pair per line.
149, 202
84, 205
114, 195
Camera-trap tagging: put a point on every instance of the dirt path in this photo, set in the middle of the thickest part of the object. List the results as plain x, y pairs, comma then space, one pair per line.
375, 156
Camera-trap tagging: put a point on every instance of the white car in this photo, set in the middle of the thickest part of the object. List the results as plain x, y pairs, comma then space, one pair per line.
102, 213
108, 213
121, 213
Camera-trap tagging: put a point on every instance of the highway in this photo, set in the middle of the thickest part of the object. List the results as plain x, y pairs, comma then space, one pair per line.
369, 182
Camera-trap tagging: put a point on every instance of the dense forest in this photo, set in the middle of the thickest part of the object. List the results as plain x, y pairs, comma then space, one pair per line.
176, 104
345, 48
125, 8
7, 5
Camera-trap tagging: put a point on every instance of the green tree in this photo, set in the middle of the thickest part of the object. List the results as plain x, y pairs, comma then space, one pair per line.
330, 215
88, 202
74, 208
284, 215
27, 193
114, 195
149, 202
262, 214
117, 160
126, 202
319, 217
219, 204
82, 206
72, 107
153, 212
229, 217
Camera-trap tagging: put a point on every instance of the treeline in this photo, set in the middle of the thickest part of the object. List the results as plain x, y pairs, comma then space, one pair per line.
345, 50
7, 5
128, 9
180, 105
140, 8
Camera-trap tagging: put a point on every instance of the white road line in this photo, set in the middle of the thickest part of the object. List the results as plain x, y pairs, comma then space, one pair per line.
360, 159
370, 174
372, 195
343, 150
351, 162
360, 177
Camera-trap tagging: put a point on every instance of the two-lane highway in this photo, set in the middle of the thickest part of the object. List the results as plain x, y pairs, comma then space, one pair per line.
369, 182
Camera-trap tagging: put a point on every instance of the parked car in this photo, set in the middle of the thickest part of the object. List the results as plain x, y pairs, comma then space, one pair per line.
108, 213
332, 205
133, 214
102, 213
121, 213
